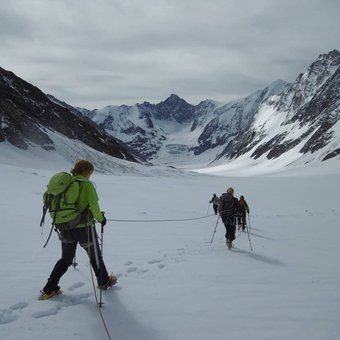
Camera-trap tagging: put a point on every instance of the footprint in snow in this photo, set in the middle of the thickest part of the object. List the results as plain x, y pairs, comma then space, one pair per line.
62, 301
154, 261
76, 285
159, 263
7, 315
132, 269
72, 300
128, 263
47, 312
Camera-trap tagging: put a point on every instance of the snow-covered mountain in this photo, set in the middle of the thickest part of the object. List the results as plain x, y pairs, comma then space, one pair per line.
174, 131
303, 120
285, 124
29, 119
299, 118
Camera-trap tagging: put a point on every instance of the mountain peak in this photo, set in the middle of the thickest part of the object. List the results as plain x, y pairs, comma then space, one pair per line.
308, 83
175, 108
330, 55
174, 95
173, 99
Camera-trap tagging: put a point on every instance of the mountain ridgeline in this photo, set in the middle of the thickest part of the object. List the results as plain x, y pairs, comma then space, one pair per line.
296, 122
175, 130
29, 118
301, 119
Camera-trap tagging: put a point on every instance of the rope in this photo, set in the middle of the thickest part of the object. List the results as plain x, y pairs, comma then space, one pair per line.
94, 285
89, 255
156, 220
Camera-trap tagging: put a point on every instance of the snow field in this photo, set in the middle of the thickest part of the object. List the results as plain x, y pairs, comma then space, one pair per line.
173, 283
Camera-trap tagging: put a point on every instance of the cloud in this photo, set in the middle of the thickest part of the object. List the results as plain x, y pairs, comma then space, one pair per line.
93, 54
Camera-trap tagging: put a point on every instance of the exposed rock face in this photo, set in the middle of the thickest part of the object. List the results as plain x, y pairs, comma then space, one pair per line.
27, 115
304, 115
300, 118
150, 128
269, 122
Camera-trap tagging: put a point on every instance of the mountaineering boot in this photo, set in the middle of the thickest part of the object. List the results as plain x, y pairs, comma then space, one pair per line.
45, 295
229, 244
110, 282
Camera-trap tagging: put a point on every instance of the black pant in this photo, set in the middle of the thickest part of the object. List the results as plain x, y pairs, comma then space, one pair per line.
242, 219
215, 206
69, 240
230, 228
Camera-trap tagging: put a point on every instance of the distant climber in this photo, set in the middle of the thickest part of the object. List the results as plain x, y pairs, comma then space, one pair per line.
244, 210
228, 209
215, 201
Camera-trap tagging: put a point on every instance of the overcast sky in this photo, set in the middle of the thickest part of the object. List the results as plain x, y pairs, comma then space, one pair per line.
112, 52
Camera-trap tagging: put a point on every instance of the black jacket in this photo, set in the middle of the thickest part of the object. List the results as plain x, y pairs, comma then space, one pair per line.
223, 207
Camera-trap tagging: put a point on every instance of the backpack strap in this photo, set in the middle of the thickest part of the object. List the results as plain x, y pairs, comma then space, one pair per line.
46, 207
65, 191
54, 217
49, 236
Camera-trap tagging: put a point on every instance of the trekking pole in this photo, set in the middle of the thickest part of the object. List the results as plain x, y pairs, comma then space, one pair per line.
212, 239
251, 248
249, 222
97, 258
101, 264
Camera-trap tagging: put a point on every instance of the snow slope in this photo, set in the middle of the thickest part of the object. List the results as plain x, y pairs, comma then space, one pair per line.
174, 283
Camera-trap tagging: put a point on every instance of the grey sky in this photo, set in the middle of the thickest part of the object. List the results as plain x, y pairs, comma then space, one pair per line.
97, 53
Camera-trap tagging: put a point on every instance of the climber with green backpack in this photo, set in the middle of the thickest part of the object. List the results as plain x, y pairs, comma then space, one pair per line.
72, 202
61, 200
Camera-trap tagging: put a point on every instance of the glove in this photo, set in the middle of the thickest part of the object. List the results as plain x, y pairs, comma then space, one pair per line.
103, 222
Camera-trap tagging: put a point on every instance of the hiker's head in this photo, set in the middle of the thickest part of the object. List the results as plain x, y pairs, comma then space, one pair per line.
83, 167
241, 197
230, 191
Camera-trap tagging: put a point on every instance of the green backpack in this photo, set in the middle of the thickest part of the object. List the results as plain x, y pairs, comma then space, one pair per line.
61, 200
